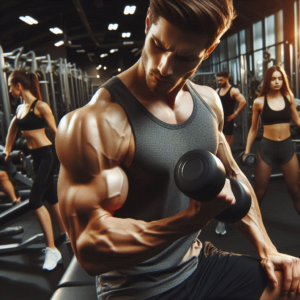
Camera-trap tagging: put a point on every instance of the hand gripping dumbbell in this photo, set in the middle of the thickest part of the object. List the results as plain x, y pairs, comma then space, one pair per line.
248, 159
16, 157
201, 176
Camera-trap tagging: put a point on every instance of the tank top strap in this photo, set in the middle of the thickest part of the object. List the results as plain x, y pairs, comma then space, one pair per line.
33, 105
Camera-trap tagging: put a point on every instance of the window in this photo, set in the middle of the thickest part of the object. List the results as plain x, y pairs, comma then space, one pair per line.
257, 36
232, 45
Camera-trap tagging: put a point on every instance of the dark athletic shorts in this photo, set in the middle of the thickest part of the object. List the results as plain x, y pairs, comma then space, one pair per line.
44, 187
228, 127
273, 152
221, 276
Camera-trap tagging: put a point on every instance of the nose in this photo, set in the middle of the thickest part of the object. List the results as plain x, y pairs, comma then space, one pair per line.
165, 66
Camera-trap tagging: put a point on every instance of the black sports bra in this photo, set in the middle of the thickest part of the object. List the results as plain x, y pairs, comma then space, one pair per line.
31, 121
271, 117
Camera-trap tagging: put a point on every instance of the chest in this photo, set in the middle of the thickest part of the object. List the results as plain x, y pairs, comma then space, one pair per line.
176, 113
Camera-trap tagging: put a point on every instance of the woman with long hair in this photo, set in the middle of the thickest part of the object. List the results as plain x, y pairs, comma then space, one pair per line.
31, 118
276, 107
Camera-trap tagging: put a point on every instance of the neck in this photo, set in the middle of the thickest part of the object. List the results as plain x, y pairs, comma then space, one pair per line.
138, 85
27, 97
274, 94
226, 85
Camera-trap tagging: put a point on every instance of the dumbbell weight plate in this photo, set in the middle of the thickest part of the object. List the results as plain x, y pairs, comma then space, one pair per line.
200, 175
16, 157
250, 160
2, 158
241, 157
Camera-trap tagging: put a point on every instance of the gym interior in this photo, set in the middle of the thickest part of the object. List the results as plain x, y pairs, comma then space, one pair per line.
75, 46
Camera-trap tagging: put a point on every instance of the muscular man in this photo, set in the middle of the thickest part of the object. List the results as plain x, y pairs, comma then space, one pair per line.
229, 95
128, 223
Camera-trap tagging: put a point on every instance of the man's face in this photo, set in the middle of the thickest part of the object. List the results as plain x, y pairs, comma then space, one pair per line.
222, 81
170, 56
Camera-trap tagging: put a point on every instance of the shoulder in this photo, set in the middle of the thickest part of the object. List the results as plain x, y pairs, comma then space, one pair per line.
42, 106
98, 134
290, 97
259, 102
234, 91
211, 97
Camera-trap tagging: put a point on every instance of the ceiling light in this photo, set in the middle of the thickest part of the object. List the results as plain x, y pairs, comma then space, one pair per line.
113, 26
98, 76
28, 20
104, 68
59, 43
80, 51
99, 67
134, 50
128, 42
103, 55
129, 10
56, 30
119, 70
126, 35
114, 50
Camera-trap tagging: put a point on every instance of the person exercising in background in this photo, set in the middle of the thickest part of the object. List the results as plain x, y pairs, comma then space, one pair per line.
129, 224
8, 188
229, 95
276, 108
31, 118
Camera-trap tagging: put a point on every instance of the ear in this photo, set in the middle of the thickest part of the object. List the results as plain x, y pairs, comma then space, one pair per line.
211, 49
18, 86
147, 21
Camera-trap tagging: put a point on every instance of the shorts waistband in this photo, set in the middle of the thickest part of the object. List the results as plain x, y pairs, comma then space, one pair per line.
42, 150
277, 142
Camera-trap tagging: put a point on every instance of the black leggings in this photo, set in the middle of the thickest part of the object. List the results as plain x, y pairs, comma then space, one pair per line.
45, 165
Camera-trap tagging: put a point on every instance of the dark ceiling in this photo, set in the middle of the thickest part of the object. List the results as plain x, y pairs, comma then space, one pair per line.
85, 23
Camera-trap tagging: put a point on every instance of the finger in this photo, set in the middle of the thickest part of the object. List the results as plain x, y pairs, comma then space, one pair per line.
288, 275
295, 279
269, 268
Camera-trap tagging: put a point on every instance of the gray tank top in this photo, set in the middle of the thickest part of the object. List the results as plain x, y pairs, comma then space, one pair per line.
153, 194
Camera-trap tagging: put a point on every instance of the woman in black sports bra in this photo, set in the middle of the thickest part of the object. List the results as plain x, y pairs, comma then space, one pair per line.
276, 107
31, 118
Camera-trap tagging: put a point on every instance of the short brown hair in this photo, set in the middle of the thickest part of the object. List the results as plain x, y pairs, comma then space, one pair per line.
212, 17
223, 74
285, 89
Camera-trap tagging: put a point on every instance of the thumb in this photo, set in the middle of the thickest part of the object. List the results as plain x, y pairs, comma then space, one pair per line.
270, 270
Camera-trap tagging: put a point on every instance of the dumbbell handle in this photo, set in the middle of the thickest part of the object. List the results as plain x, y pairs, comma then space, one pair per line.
241, 206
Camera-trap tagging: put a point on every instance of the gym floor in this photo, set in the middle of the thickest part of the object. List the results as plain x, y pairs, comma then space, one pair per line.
22, 277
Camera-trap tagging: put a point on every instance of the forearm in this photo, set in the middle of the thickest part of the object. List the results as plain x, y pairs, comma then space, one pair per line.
250, 139
253, 228
10, 138
240, 107
111, 243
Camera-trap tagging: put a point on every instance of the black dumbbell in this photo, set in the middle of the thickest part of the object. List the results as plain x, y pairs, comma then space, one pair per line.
16, 157
248, 159
22, 167
201, 176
